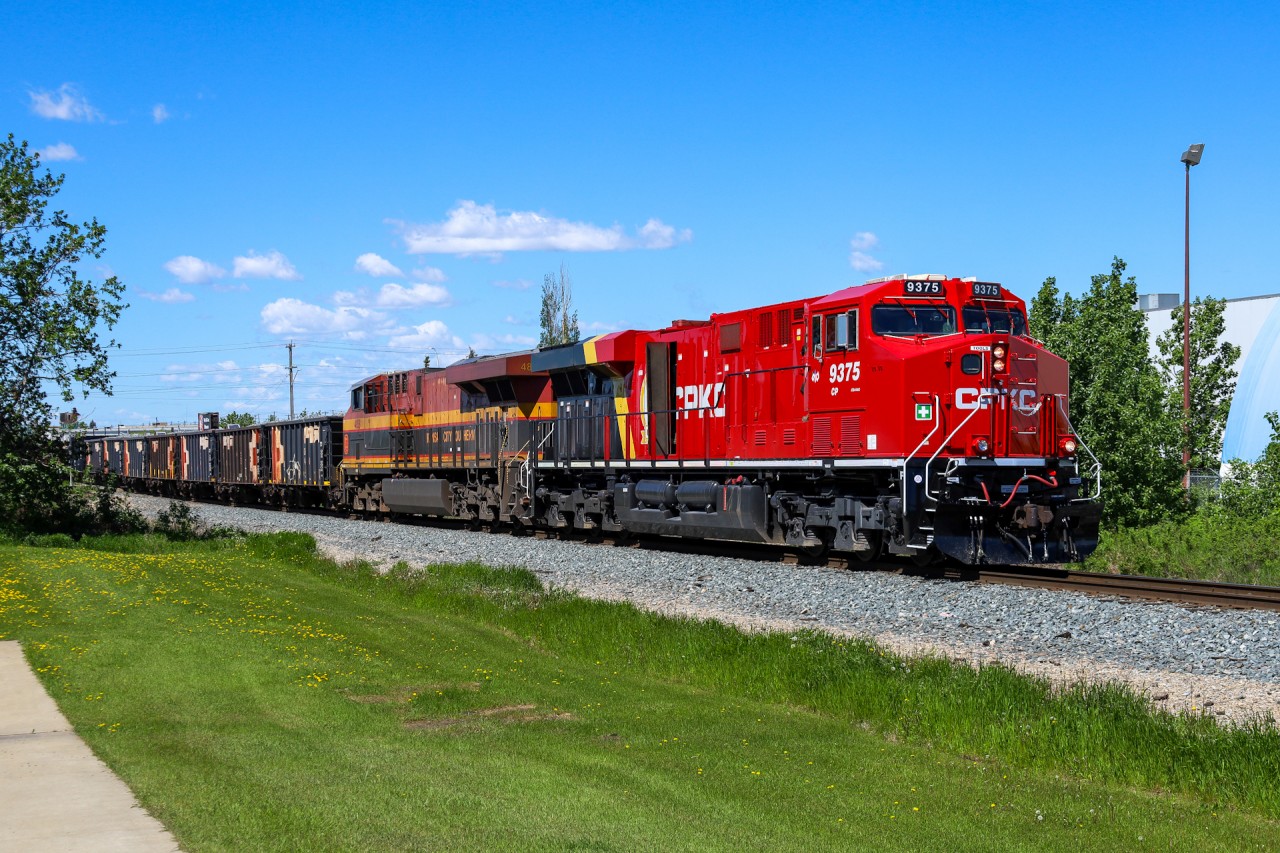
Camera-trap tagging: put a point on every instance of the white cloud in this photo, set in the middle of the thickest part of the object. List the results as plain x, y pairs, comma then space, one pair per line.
189, 269
271, 265
218, 372
862, 243
479, 229
432, 334
172, 296
58, 152
656, 234
397, 296
160, 113
514, 284
66, 104
295, 317
501, 343
376, 265
428, 274
351, 297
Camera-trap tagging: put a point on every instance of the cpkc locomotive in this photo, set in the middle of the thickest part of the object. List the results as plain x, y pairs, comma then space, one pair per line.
910, 415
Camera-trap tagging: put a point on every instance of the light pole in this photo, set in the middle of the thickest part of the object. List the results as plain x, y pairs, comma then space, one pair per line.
1190, 157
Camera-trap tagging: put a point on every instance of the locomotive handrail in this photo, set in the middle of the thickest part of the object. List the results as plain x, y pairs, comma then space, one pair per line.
526, 470
746, 374
1097, 466
937, 423
981, 396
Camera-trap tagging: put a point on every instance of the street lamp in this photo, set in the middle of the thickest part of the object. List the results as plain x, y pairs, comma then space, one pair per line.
1190, 157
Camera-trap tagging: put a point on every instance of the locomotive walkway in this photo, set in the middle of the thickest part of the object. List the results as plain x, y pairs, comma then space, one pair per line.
55, 794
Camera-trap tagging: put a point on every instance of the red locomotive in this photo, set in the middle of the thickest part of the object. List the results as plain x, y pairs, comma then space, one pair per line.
911, 415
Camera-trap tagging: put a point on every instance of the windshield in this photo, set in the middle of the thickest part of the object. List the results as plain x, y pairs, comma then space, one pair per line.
912, 320
980, 319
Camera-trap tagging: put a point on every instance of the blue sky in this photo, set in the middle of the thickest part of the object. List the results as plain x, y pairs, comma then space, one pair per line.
381, 181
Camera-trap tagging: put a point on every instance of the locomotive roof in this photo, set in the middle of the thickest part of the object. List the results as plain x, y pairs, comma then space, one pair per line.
490, 367
893, 285
605, 350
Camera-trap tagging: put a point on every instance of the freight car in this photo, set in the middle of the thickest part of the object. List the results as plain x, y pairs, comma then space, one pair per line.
280, 463
910, 415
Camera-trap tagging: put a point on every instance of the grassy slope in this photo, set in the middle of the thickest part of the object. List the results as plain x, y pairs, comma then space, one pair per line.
256, 698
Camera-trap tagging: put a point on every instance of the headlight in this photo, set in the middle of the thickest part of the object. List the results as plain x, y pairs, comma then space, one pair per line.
999, 356
1067, 446
981, 445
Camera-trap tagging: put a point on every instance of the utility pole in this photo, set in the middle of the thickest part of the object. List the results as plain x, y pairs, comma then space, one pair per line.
290, 346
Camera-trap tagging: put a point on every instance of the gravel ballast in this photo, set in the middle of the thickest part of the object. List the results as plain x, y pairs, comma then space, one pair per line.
1202, 659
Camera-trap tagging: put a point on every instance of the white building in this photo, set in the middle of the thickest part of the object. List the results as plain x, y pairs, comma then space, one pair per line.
1253, 324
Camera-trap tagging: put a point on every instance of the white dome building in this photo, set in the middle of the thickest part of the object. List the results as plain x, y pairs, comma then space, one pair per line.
1253, 324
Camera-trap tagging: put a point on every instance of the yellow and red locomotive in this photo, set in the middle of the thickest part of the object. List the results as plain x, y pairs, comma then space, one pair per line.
445, 441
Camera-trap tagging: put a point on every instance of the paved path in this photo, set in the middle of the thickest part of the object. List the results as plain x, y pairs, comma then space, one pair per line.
55, 794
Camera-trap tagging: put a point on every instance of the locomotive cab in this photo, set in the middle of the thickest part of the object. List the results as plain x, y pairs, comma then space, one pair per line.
938, 378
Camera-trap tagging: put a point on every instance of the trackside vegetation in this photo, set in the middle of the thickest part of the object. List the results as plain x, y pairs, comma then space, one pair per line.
256, 696
1229, 535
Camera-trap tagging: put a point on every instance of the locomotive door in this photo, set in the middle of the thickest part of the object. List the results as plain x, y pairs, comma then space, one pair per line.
660, 387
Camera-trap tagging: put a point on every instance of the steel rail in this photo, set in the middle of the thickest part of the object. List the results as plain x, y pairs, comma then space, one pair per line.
1173, 590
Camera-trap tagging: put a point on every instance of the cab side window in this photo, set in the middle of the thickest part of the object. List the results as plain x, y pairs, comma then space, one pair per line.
842, 331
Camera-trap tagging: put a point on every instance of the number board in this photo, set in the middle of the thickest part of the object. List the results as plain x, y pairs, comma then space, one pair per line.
985, 290
922, 288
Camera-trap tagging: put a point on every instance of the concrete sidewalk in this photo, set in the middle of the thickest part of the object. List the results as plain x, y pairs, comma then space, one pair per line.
54, 793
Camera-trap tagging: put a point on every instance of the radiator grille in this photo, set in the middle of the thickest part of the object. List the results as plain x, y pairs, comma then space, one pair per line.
765, 329
761, 438
822, 436
788, 436
851, 434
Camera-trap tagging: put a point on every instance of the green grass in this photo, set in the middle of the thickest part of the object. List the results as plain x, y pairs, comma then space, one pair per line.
1205, 546
256, 697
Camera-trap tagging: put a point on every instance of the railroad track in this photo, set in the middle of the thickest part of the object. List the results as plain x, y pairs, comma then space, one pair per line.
1242, 596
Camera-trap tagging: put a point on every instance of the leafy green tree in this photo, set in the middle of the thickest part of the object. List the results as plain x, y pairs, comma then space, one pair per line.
471, 352
1117, 394
52, 323
426, 362
243, 419
1213, 378
557, 318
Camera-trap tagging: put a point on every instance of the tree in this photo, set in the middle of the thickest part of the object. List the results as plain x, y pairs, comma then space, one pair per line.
426, 362
51, 326
1117, 395
471, 352
50, 318
243, 419
558, 319
1213, 379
